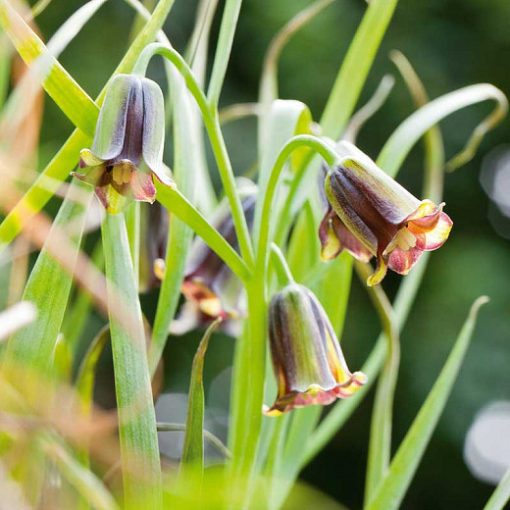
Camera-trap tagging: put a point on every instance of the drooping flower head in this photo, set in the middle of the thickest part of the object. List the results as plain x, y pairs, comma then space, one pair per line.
371, 215
307, 359
128, 143
210, 288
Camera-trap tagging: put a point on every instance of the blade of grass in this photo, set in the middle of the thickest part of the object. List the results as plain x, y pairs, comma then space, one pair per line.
193, 449
356, 66
402, 140
137, 421
501, 494
391, 491
223, 50
34, 345
82, 479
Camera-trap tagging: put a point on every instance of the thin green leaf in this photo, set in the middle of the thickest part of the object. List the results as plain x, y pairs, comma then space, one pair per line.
82, 479
356, 66
391, 491
193, 449
76, 315
137, 420
208, 436
223, 50
369, 109
60, 86
34, 345
501, 494
400, 143
268, 91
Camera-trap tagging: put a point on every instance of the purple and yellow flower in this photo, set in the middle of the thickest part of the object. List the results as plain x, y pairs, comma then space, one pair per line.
210, 288
128, 144
371, 215
308, 362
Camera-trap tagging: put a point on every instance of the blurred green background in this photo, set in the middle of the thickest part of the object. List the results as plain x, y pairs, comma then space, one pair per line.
451, 43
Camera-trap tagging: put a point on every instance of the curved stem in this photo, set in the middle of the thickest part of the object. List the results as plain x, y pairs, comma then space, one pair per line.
177, 203
316, 144
211, 121
280, 264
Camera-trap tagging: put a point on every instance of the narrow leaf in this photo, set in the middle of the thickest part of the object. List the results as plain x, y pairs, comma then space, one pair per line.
137, 421
34, 345
501, 494
356, 66
391, 491
413, 128
193, 450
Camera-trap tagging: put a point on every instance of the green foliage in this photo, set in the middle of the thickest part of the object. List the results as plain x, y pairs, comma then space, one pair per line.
265, 455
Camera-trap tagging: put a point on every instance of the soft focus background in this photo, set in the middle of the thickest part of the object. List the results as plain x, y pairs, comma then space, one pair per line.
451, 43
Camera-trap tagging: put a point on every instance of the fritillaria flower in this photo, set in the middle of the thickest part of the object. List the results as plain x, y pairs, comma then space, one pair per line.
128, 144
371, 215
154, 223
210, 288
307, 359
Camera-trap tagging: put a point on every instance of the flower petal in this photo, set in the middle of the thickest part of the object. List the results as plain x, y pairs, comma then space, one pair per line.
111, 124
401, 261
95, 175
153, 125
142, 186
89, 159
316, 395
435, 238
113, 201
380, 272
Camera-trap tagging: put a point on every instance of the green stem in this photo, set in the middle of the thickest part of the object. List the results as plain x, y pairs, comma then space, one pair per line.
249, 363
223, 50
137, 421
177, 203
280, 264
211, 121
501, 494
132, 215
379, 448
316, 144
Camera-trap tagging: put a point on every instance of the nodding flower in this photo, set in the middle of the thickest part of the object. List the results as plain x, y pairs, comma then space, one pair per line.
371, 215
308, 362
210, 288
128, 144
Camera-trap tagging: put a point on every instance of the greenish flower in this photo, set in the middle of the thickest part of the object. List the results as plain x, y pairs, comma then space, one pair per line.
307, 359
128, 144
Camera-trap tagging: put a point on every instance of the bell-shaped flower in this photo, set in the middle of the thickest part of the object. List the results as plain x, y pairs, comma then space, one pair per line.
376, 216
210, 288
154, 224
308, 362
128, 144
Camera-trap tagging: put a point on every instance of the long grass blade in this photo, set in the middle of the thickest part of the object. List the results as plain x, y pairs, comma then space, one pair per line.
391, 491
137, 421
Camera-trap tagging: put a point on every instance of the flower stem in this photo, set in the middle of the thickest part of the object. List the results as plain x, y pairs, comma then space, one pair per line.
379, 449
280, 264
211, 121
